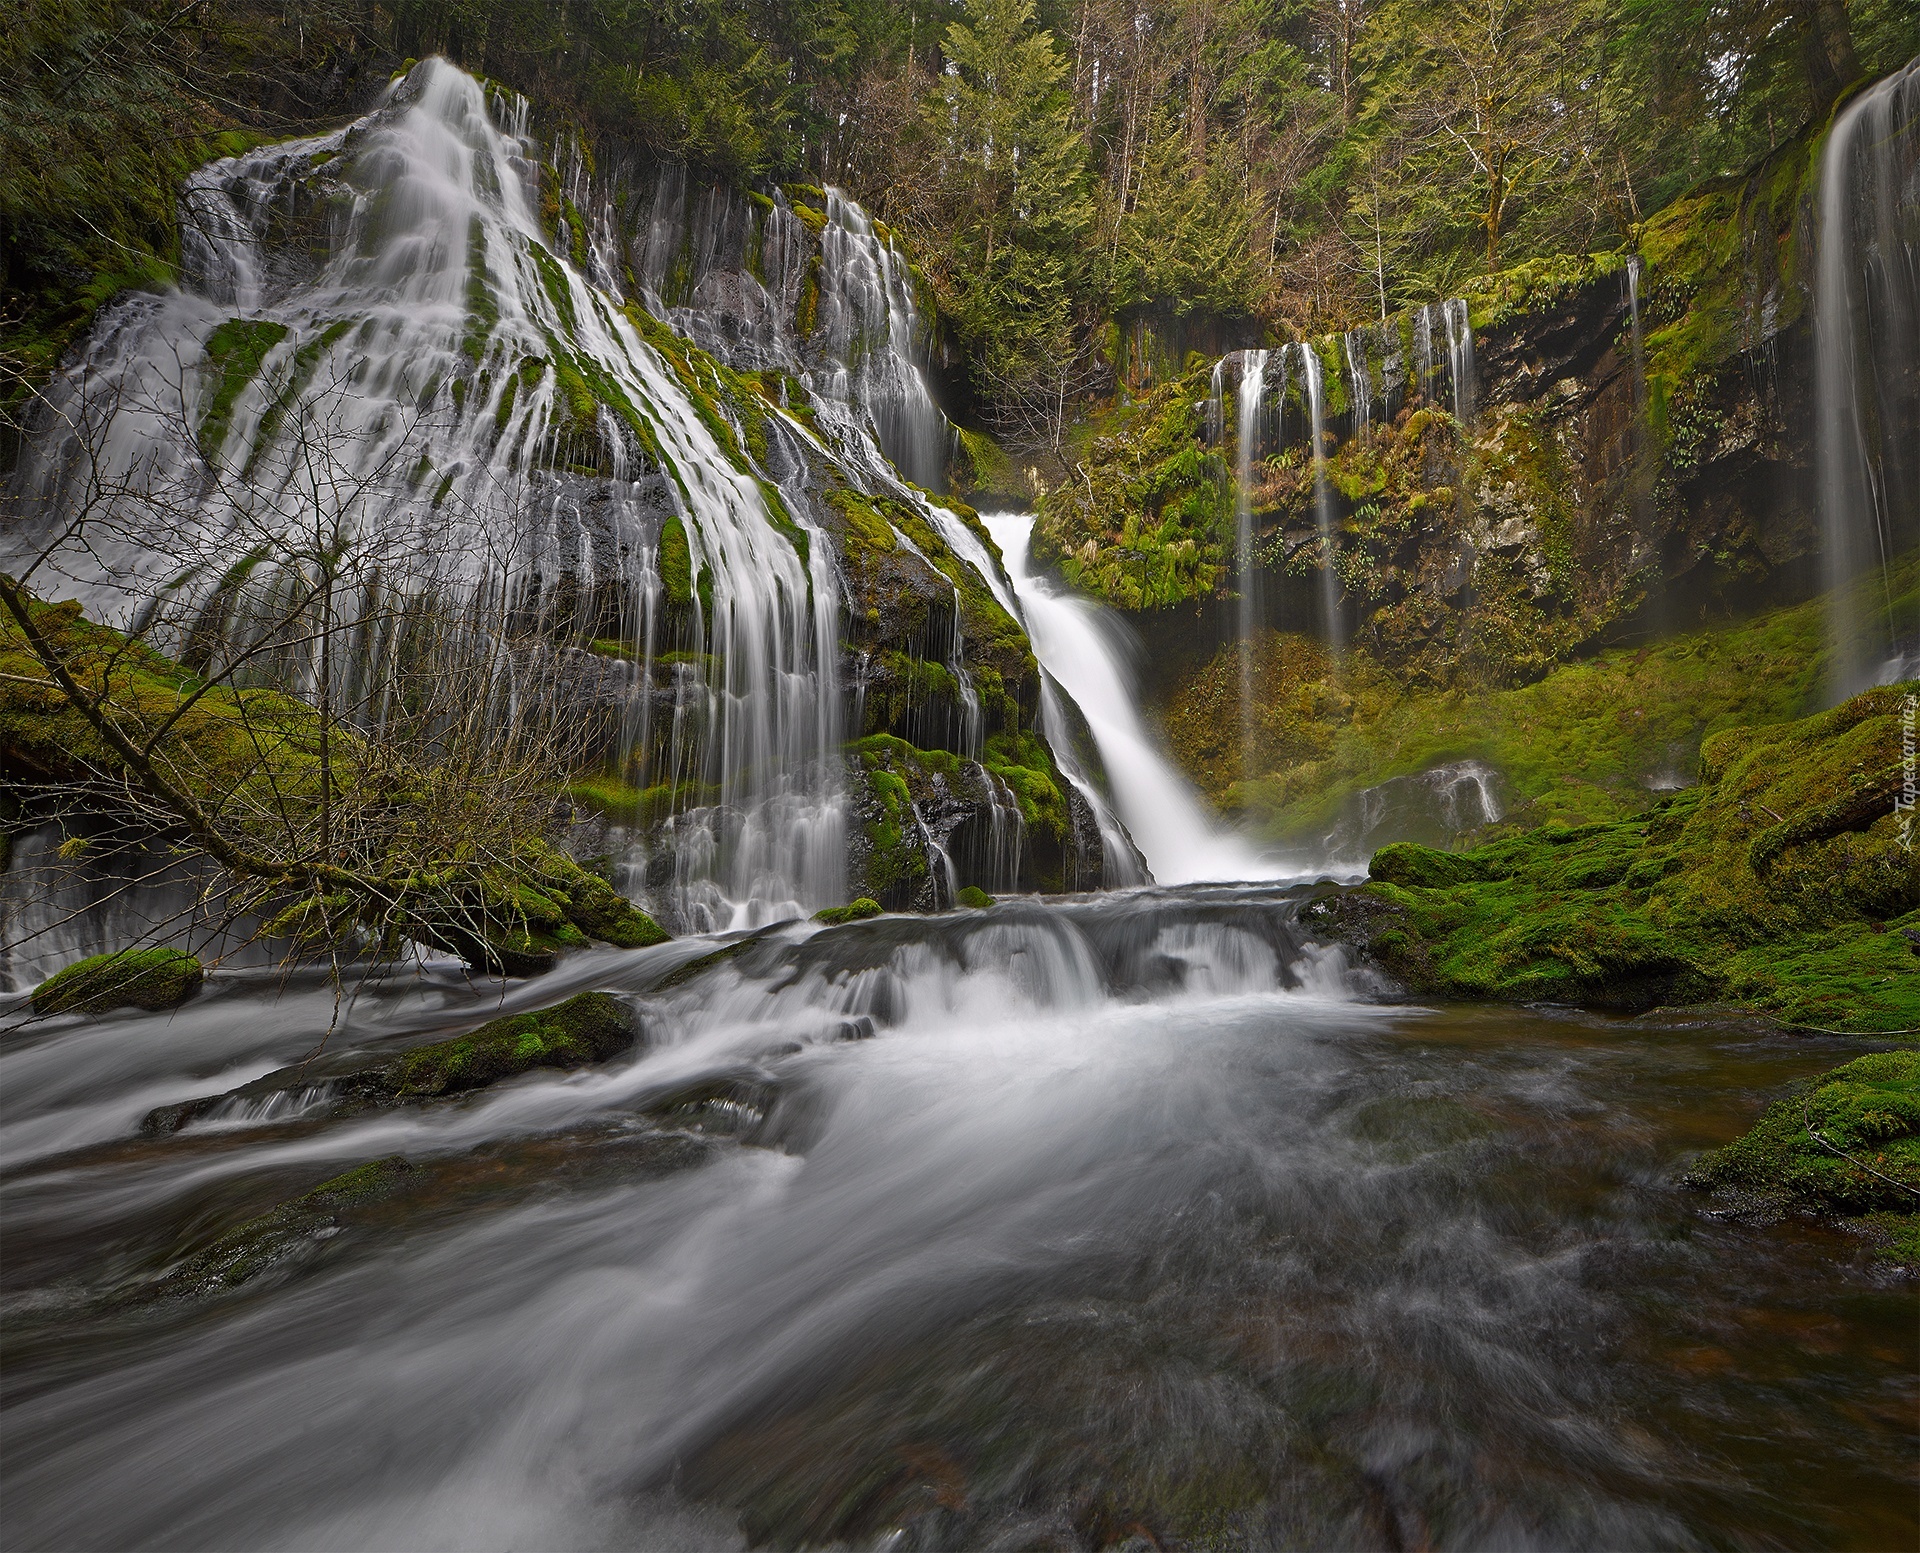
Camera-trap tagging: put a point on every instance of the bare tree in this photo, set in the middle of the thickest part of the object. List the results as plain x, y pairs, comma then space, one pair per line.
347, 739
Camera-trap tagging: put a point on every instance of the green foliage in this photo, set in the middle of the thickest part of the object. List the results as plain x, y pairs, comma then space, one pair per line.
130, 978
1185, 245
1148, 521
1013, 195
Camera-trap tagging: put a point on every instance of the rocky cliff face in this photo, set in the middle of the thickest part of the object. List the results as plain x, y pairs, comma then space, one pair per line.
1623, 451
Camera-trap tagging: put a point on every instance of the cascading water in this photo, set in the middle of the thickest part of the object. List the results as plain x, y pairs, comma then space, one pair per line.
1353, 346
1866, 320
1322, 496
460, 372
1162, 814
1459, 327
1641, 474
1253, 384
869, 325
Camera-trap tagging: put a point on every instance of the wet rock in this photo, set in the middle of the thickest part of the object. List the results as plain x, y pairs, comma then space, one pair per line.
139, 978
285, 1234
588, 1028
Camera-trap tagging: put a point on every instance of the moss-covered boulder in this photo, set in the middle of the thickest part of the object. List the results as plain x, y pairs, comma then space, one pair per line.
1783, 881
589, 1027
854, 911
130, 978
1849, 1145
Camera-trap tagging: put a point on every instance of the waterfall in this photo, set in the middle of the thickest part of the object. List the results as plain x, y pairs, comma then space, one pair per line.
492, 434
1641, 474
1253, 383
1453, 316
1423, 365
869, 330
1162, 813
1867, 378
1359, 386
1322, 495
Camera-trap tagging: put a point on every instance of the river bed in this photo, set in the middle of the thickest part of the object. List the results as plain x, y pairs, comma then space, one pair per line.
1133, 1220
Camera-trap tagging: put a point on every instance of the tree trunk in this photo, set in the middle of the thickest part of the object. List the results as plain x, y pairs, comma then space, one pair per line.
1826, 48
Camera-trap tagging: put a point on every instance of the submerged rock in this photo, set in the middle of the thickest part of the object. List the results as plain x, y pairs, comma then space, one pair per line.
588, 1028
136, 978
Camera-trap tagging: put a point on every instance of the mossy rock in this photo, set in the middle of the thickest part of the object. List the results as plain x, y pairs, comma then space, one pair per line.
854, 911
974, 898
588, 1028
1406, 863
1850, 1145
133, 978
282, 1235
1782, 881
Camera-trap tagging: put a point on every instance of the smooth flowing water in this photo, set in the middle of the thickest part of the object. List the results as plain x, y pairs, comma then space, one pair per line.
1076, 645
1131, 1221
1866, 321
1310, 375
1247, 451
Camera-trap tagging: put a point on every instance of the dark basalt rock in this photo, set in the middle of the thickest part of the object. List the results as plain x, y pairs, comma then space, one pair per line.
585, 1029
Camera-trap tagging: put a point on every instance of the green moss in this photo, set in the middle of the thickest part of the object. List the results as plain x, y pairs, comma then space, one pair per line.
252, 749
974, 898
1496, 300
588, 1028
1148, 521
676, 563
236, 350
1578, 744
130, 978
1849, 1145
854, 911
1668, 906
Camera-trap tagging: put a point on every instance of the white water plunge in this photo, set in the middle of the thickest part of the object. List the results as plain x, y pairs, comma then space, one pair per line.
1867, 379
1165, 816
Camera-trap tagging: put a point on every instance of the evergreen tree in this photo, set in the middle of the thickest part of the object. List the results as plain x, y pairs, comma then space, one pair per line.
1017, 201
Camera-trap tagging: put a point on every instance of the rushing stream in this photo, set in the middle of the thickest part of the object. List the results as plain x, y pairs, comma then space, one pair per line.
1130, 1217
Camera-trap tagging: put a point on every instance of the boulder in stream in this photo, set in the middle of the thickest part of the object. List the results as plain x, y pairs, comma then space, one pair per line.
589, 1027
130, 978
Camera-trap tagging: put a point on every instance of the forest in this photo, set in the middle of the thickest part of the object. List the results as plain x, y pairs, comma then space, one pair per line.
1043, 775
1306, 164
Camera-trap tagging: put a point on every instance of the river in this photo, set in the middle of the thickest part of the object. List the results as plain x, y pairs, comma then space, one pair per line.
1134, 1220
